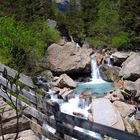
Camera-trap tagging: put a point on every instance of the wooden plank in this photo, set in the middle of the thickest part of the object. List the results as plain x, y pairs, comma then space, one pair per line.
2, 103
96, 127
23, 135
74, 133
23, 78
10, 126
38, 129
5, 108
24, 93
8, 115
30, 110
47, 105
40, 116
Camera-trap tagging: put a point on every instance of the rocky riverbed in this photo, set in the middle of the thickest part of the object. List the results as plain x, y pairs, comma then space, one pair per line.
70, 64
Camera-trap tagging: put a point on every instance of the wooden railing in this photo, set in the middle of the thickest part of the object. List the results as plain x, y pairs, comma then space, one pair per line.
48, 112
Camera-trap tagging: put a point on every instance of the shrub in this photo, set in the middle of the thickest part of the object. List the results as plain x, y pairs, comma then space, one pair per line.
96, 42
19, 42
106, 24
121, 40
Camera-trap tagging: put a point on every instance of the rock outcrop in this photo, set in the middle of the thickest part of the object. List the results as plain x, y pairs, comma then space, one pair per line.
124, 108
66, 94
115, 95
70, 58
133, 89
65, 81
106, 113
47, 76
109, 73
118, 58
131, 67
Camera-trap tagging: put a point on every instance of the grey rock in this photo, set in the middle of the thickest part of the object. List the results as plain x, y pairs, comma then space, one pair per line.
131, 67
47, 76
106, 113
65, 81
133, 89
124, 108
70, 58
118, 58
109, 73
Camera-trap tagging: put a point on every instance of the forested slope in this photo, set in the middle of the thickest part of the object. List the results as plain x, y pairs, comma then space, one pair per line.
25, 33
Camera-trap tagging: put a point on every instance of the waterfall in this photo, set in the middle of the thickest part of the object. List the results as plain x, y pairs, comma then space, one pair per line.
108, 61
95, 71
79, 105
96, 78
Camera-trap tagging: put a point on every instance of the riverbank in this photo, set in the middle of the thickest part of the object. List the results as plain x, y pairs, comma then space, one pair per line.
119, 101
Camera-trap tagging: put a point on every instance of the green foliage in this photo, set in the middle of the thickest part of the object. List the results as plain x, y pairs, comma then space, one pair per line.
96, 42
26, 10
121, 40
44, 35
129, 18
102, 22
71, 19
13, 40
106, 26
20, 43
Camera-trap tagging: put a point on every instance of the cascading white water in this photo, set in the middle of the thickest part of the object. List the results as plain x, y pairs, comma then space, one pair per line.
96, 78
108, 61
95, 70
73, 104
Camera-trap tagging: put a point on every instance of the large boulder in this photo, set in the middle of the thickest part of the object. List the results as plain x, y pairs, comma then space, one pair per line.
65, 81
124, 108
66, 94
47, 76
105, 113
131, 67
109, 73
99, 58
115, 95
133, 89
118, 58
70, 58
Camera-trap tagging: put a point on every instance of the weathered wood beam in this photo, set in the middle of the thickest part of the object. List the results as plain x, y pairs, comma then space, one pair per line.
30, 110
96, 127
40, 130
22, 92
74, 133
41, 117
10, 126
48, 105
23, 78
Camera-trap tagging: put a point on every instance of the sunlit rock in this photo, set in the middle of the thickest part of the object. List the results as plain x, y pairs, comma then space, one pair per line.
106, 113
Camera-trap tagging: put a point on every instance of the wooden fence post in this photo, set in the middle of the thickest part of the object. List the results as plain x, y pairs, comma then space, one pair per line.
57, 110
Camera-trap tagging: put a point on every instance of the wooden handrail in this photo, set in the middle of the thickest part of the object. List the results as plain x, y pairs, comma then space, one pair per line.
96, 127
44, 118
60, 121
23, 78
48, 105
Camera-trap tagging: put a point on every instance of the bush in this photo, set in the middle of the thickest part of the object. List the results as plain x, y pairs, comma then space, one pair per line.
106, 25
44, 35
121, 40
96, 42
19, 42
